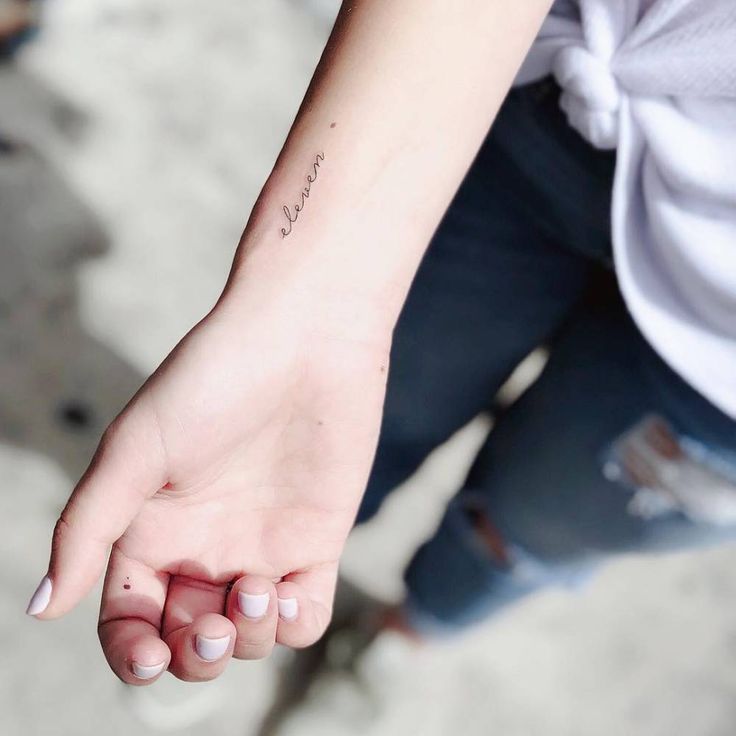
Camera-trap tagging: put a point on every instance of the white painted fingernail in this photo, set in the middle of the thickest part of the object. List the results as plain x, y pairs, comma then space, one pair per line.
147, 671
288, 608
211, 650
253, 605
41, 598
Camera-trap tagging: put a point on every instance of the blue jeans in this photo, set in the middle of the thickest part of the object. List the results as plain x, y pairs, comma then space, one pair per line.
523, 258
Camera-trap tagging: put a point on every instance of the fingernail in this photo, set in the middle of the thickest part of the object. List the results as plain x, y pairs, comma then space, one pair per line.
211, 650
288, 608
40, 599
253, 605
147, 671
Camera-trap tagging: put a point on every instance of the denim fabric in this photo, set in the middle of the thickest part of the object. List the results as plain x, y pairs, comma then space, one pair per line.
523, 258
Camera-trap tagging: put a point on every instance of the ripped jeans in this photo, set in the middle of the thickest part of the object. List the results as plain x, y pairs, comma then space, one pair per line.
523, 259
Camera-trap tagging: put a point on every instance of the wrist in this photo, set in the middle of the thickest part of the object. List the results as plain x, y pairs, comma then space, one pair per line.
314, 288
336, 249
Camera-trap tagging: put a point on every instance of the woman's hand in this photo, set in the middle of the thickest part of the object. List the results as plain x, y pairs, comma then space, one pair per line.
243, 459
227, 489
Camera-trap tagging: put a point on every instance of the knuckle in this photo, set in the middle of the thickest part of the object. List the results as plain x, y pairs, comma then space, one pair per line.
252, 653
300, 639
184, 673
62, 530
109, 437
253, 649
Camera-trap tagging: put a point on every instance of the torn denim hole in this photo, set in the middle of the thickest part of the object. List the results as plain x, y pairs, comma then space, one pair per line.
672, 473
507, 556
486, 532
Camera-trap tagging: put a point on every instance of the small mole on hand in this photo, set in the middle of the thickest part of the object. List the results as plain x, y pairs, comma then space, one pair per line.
126, 586
334, 125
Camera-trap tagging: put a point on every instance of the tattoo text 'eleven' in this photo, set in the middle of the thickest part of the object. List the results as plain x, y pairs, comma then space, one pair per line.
292, 217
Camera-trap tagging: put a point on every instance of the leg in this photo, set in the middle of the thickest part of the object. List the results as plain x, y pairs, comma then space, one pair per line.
539, 478
495, 282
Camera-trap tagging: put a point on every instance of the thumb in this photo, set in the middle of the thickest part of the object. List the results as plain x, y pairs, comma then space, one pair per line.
127, 469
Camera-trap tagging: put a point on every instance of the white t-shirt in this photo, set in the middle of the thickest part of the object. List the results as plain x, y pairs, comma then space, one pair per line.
656, 79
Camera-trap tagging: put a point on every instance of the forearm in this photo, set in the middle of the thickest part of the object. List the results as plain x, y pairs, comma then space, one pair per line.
398, 107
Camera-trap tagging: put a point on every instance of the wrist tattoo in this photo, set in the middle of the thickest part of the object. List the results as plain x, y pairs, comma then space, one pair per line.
292, 217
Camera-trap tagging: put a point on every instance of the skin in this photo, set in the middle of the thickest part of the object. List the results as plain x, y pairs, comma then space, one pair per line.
240, 464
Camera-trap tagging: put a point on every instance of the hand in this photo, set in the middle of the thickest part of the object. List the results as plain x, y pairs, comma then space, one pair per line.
227, 489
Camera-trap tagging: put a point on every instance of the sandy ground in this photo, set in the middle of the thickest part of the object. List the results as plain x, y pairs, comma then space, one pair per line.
150, 126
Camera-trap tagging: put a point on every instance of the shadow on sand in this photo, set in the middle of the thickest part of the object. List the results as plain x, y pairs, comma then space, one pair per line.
59, 385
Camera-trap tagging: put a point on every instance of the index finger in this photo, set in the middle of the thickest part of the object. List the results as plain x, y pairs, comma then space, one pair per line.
131, 613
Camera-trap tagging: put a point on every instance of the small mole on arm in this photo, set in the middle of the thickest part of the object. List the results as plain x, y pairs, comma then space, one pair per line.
334, 125
126, 586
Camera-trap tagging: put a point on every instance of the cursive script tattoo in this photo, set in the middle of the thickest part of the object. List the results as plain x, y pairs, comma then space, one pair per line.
292, 217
